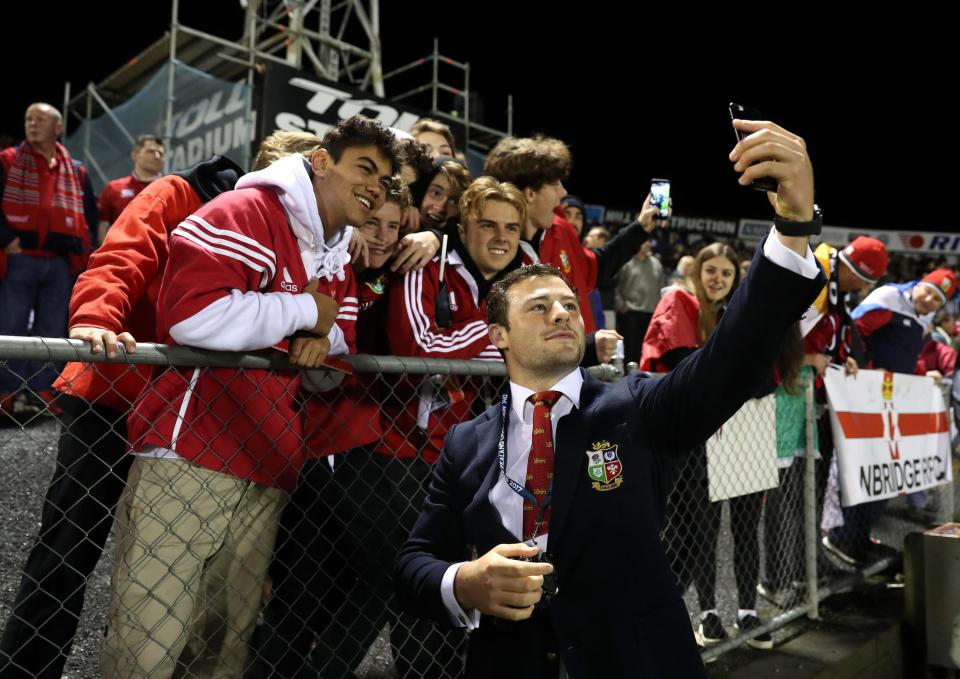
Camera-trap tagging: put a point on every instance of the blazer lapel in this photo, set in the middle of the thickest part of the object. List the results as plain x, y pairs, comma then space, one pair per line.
481, 516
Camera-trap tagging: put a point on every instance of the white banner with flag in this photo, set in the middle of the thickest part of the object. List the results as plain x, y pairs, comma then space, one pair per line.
891, 434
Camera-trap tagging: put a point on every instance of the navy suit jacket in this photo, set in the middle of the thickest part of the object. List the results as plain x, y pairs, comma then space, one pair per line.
618, 612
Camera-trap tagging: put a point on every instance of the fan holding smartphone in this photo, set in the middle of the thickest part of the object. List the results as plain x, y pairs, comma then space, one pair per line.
660, 198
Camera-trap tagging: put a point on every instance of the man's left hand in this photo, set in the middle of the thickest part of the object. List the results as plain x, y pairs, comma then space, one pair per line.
13, 247
850, 366
606, 343
649, 215
309, 352
410, 221
100, 338
771, 151
414, 251
358, 249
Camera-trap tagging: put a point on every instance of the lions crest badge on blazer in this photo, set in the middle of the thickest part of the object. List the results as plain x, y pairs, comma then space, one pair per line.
603, 466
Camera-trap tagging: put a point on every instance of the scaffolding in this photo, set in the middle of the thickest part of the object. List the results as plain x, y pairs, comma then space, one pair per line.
337, 41
477, 135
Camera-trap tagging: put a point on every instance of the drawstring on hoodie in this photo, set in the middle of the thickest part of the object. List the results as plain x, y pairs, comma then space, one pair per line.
330, 262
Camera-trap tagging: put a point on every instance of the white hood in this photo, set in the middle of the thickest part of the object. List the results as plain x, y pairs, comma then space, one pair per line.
290, 178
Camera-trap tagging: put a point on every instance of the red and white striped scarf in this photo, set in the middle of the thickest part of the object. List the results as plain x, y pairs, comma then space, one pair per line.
21, 195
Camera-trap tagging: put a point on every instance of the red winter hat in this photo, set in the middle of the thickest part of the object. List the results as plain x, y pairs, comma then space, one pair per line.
943, 281
866, 257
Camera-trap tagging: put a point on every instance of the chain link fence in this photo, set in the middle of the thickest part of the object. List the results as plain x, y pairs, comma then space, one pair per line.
290, 576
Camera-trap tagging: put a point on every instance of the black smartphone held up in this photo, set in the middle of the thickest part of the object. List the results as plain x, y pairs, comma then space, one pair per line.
660, 197
746, 113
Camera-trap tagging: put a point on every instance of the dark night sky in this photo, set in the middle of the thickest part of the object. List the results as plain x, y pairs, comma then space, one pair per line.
873, 97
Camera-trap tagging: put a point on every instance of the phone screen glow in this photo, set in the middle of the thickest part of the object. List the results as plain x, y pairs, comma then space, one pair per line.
660, 197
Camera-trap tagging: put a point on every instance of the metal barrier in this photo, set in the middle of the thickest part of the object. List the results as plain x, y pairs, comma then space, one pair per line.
303, 579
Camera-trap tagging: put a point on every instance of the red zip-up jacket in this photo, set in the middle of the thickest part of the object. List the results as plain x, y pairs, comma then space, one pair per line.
119, 289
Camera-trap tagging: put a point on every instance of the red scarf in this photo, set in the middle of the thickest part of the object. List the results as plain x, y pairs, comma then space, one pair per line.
674, 326
21, 198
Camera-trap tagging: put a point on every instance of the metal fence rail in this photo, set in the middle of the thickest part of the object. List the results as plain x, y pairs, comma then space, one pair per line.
310, 578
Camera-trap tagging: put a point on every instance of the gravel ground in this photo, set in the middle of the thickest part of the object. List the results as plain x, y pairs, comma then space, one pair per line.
27, 457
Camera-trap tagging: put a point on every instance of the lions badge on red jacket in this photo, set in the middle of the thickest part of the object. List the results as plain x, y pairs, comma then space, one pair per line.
603, 466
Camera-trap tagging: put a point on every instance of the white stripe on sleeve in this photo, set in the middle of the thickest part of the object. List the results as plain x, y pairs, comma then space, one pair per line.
246, 321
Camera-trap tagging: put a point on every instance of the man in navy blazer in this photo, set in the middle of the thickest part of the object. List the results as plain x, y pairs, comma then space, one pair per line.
616, 611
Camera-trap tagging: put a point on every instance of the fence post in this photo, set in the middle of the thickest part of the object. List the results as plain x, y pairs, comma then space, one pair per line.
810, 504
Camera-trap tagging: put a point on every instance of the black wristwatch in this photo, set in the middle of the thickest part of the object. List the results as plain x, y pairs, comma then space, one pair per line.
811, 228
